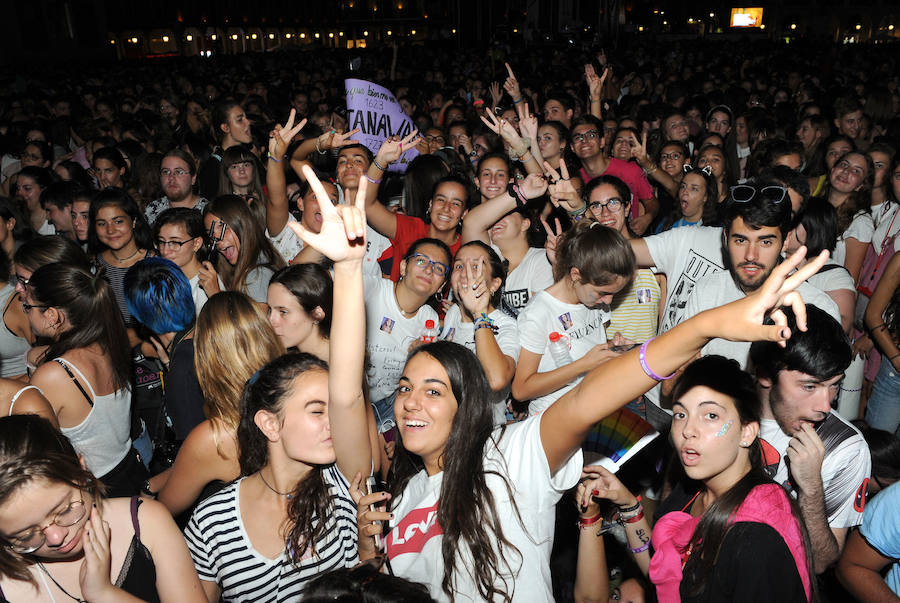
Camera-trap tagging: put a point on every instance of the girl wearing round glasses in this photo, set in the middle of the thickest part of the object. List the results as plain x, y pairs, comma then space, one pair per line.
396, 317
62, 540
179, 235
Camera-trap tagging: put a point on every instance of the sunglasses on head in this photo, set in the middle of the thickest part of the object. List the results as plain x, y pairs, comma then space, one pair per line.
743, 193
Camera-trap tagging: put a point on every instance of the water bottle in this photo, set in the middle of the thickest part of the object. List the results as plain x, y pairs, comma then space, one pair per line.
559, 350
430, 334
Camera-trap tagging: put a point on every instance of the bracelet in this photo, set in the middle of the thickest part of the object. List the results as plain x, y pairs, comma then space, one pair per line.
632, 508
596, 100
516, 102
477, 103
642, 356
372, 180
648, 172
321, 152
641, 548
272, 157
378, 165
145, 489
635, 518
483, 321
522, 156
880, 326
513, 191
894, 356
578, 212
584, 523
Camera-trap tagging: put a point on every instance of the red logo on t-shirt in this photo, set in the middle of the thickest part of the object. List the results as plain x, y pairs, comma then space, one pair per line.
413, 531
770, 456
859, 502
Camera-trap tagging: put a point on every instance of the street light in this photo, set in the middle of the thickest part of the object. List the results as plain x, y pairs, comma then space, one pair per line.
793, 26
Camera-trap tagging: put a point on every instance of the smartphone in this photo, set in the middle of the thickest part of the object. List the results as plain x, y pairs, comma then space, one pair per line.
216, 234
623, 348
373, 486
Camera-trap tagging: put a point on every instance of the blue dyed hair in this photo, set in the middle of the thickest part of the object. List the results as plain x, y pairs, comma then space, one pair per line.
158, 295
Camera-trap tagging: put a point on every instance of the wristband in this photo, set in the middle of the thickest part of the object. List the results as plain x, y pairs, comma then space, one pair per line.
372, 180
881, 326
578, 212
477, 103
378, 165
634, 518
584, 523
516, 102
596, 100
632, 508
650, 171
641, 548
483, 321
515, 192
894, 356
642, 356
272, 157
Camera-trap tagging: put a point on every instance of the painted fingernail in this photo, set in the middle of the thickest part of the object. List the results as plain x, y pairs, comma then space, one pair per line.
595, 492
384, 495
391, 515
95, 505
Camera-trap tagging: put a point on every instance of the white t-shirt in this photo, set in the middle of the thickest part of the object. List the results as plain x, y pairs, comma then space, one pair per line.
845, 470
685, 255
719, 289
506, 334
832, 279
376, 244
199, 295
861, 228
534, 273
47, 228
516, 453
286, 242
580, 326
389, 335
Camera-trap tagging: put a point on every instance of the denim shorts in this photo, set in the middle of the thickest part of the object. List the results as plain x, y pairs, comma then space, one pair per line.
384, 413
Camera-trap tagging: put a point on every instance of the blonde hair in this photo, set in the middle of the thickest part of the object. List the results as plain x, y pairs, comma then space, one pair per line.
233, 339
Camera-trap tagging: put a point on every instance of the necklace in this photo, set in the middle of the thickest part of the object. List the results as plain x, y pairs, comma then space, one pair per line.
58, 585
120, 260
399, 307
287, 495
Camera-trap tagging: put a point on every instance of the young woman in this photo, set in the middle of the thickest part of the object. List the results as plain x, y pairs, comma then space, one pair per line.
552, 141
714, 157
65, 541
299, 301
593, 263
232, 340
476, 321
882, 318
85, 373
119, 237
461, 490
835, 147
849, 190
396, 318
698, 200
303, 431
109, 168
29, 184
240, 176
246, 259
16, 337
726, 523
179, 235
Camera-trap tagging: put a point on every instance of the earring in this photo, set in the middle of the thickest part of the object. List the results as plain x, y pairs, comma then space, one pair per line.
745, 444
315, 322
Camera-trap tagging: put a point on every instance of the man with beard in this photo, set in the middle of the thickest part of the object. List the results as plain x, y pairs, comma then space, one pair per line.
757, 218
177, 176
817, 455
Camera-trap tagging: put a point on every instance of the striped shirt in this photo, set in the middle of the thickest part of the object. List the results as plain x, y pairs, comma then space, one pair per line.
223, 553
635, 309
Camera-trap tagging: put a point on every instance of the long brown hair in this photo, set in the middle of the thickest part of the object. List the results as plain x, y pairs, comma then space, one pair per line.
256, 250
233, 340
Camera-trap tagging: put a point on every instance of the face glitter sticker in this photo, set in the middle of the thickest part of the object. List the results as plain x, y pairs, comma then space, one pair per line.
724, 429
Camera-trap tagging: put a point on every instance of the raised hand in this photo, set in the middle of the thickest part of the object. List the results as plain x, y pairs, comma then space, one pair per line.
553, 236
640, 150
335, 140
528, 126
533, 186
393, 147
511, 85
562, 193
343, 234
474, 295
280, 137
603, 484
495, 93
594, 82
95, 569
506, 131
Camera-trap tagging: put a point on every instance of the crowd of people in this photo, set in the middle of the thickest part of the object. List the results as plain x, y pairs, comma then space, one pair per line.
244, 359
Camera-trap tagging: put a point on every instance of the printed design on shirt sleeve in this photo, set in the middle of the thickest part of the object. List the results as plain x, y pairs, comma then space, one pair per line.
517, 299
770, 456
387, 325
566, 320
417, 528
644, 296
695, 268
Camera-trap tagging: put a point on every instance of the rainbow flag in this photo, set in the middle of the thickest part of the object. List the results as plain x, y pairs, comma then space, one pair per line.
616, 439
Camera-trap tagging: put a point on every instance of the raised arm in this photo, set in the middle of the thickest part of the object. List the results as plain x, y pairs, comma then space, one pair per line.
329, 140
343, 240
652, 170
391, 149
480, 218
595, 86
518, 146
277, 209
565, 424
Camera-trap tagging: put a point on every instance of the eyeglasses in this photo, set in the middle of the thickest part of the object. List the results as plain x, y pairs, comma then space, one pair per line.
177, 172
22, 280
35, 539
612, 205
672, 156
28, 307
437, 139
742, 193
161, 244
582, 136
421, 261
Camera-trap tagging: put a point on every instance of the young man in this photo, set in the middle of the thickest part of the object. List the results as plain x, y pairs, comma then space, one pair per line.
807, 447
177, 177
848, 115
56, 200
757, 219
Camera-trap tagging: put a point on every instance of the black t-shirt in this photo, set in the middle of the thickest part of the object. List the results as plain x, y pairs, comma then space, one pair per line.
754, 563
184, 398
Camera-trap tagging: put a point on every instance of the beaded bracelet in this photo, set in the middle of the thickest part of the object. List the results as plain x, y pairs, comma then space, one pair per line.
641, 548
321, 152
272, 157
378, 165
642, 356
372, 180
